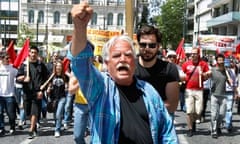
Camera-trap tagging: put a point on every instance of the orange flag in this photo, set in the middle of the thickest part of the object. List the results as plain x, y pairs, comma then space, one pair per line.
180, 51
11, 52
22, 55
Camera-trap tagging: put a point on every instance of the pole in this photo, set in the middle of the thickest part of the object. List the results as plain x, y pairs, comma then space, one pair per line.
129, 14
5, 34
184, 18
37, 32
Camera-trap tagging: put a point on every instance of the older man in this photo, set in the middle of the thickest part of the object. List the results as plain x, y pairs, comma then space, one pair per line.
123, 109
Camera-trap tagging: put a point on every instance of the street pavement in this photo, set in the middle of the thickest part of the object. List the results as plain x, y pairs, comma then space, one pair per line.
202, 136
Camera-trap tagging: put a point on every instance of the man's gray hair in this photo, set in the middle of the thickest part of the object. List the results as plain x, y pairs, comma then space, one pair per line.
112, 41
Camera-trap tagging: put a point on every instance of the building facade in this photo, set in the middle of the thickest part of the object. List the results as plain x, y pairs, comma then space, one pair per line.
219, 17
52, 23
9, 20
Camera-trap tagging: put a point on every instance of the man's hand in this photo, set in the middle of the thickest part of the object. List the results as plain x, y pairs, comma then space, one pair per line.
39, 95
81, 15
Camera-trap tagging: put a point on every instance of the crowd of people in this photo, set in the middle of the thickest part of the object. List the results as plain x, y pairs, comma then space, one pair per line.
119, 97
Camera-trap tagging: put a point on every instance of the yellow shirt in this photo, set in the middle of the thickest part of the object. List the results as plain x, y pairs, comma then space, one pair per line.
79, 97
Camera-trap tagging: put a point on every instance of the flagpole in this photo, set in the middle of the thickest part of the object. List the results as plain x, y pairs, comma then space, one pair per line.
28, 76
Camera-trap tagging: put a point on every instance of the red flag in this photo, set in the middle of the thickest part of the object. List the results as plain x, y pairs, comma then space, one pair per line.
66, 63
238, 48
11, 52
218, 51
180, 51
22, 54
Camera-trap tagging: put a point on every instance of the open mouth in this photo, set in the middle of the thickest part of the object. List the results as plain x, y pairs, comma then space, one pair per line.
123, 67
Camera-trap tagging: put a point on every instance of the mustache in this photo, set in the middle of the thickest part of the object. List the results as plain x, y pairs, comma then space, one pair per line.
123, 66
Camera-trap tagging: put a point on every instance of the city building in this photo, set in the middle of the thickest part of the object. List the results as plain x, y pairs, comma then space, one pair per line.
225, 17
206, 17
9, 20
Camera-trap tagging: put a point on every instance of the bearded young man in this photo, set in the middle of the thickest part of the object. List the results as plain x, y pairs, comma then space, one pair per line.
161, 74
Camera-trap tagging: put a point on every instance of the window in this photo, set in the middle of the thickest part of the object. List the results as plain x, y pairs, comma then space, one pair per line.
110, 19
56, 19
120, 19
69, 18
225, 8
40, 17
31, 16
94, 19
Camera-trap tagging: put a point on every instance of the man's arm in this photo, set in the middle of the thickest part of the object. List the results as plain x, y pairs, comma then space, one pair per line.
172, 94
81, 15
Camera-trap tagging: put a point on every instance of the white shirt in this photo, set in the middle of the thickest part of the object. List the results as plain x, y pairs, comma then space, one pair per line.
7, 77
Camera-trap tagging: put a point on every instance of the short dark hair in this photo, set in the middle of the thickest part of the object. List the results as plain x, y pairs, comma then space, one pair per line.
148, 29
35, 48
220, 56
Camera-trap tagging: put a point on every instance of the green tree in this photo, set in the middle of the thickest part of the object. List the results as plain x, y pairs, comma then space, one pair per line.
171, 21
23, 33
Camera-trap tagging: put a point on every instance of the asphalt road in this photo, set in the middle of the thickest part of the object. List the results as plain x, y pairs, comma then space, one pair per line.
202, 136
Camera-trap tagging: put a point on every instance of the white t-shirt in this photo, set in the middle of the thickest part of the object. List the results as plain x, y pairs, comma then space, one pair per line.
7, 77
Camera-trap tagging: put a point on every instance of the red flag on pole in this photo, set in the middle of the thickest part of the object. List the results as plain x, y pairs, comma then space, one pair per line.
11, 52
22, 55
238, 48
66, 63
180, 51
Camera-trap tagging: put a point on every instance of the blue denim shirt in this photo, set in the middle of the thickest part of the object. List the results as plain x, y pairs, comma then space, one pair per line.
104, 103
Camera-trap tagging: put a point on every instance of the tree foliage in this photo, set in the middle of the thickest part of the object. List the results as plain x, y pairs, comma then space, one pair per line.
23, 33
171, 22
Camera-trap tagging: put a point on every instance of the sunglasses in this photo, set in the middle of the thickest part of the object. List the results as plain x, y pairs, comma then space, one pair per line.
150, 45
172, 56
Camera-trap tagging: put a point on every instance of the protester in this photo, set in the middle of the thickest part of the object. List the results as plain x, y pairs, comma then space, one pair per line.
57, 92
231, 91
196, 71
19, 99
7, 97
123, 109
161, 74
218, 97
32, 74
206, 93
81, 112
172, 58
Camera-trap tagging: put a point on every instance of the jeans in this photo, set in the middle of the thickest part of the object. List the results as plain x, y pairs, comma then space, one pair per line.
228, 117
182, 101
59, 113
80, 122
9, 104
218, 110
68, 108
19, 99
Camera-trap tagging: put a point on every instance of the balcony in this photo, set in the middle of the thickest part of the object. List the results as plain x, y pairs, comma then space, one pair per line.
231, 17
217, 3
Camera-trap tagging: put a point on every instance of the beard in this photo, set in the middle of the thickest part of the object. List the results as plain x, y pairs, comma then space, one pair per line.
147, 57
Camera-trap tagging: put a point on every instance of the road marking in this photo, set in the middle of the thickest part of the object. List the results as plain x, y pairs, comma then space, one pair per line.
27, 141
181, 138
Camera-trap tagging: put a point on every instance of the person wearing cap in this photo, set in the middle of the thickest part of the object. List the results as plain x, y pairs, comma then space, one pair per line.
172, 58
